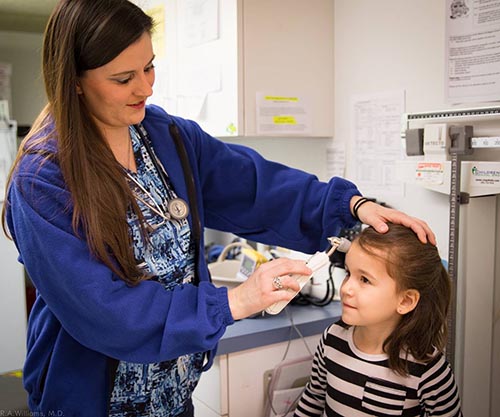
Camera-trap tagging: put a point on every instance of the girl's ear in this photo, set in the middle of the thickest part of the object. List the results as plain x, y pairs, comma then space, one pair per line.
408, 301
78, 88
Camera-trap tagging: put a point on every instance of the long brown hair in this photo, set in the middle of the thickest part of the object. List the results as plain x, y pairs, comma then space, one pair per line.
83, 35
413, 265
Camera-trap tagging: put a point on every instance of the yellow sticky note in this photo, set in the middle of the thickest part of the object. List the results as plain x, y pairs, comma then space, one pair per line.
284, 120
281, 98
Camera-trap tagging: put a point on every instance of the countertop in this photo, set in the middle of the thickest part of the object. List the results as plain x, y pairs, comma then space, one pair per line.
268, 329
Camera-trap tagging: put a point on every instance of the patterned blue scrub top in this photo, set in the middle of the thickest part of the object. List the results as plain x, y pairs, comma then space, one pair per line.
157, 389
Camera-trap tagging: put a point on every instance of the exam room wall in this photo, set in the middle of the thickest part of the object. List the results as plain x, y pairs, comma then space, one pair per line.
394, 45
23, 51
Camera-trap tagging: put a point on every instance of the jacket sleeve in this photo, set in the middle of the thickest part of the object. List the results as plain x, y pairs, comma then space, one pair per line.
144, 323
265, 201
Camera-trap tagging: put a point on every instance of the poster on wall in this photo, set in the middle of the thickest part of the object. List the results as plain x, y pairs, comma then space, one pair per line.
199, 21
376, 126
472, 51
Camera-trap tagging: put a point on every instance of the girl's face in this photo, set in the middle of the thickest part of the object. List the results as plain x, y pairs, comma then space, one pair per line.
369, 295
116, 93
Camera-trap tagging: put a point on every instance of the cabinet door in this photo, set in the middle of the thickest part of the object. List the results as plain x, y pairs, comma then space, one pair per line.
210, 395
202, 410
288, 51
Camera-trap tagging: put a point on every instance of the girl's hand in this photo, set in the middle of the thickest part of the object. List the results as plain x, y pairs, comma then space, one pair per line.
378, 216
258, 292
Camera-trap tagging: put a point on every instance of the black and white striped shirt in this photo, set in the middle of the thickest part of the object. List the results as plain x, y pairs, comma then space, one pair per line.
347, 382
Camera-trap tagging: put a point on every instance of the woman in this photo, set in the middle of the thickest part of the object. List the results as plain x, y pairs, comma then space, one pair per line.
109, 226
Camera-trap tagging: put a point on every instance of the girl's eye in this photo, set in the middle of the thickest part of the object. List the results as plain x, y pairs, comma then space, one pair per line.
149, 68
364, 280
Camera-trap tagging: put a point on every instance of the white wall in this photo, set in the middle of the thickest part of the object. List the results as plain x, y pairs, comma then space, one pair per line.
389, 45
23, 51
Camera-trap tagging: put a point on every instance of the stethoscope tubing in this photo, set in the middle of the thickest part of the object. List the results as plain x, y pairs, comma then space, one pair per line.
188, 178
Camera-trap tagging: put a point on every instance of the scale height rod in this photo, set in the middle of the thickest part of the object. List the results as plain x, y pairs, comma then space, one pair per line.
454, 223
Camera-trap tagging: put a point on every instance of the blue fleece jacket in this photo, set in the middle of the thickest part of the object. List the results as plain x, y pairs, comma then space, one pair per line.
84, 314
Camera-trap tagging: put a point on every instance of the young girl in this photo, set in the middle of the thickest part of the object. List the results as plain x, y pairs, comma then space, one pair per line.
385, 357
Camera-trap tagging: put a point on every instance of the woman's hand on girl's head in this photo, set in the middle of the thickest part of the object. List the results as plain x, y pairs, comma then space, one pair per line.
258, 292
378, 216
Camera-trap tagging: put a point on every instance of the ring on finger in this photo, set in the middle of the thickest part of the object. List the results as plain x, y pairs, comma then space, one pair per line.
277, 283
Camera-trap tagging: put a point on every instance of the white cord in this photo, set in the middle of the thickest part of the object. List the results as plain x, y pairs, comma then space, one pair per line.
293, 327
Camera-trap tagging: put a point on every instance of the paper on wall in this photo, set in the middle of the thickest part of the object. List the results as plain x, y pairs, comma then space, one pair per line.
282, 115
472, 51
376, 120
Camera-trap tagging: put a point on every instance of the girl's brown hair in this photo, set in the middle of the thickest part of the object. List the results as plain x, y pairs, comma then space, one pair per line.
413, 265
83, 35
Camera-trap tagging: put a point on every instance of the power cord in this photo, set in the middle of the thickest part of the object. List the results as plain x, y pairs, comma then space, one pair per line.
293, 327
305, 299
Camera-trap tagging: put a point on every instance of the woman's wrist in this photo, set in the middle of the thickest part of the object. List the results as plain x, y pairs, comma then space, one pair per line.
233, 301
353, 201
355, 204
239, 303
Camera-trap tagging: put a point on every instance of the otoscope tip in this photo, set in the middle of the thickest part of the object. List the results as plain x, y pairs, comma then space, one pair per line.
338, 243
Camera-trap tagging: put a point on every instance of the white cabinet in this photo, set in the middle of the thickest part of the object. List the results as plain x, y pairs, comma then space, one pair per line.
288, 50
235, 385
210, 397
214, 56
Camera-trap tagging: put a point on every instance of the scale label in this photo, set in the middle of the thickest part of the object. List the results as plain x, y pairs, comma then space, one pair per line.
429, 172
485, 174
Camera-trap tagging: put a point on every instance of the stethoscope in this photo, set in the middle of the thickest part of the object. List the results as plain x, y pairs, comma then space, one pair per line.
177, 207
